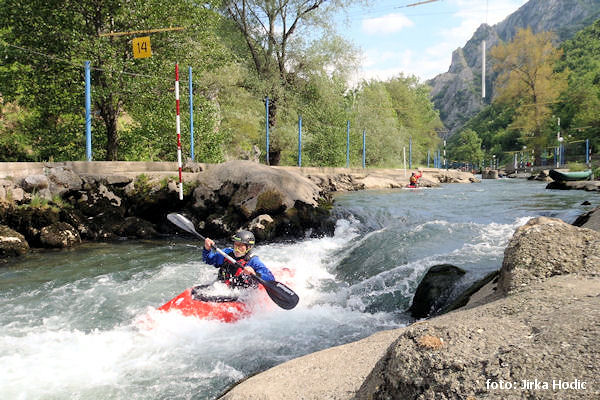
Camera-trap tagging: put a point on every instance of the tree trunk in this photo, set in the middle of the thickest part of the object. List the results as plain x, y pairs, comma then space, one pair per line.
109, 115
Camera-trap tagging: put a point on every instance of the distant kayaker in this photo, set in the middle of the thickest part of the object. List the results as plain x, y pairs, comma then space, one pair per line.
232, 274
414, 179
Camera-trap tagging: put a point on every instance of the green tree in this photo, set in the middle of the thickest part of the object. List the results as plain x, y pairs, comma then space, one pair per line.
528, 79
374, 112
466, 147
49, 40
415, 113
580, 111
279, 40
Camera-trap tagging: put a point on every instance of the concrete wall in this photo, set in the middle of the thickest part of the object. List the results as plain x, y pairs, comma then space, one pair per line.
22, 169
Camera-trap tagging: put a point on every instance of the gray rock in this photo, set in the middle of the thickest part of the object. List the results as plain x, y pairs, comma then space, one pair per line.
590, 220
15, 194
230, 195
12, 243
547, 334
589, 186
489, 174
254, 188
434, 290
262, 227
546, 247
63, 179
35, 182
110, 196
134, 227
191, 166
59, 235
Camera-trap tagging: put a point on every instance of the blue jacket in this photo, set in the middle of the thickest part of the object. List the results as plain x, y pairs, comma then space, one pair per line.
216, 259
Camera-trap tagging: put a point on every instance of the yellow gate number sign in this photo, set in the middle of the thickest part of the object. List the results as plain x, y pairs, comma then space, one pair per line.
141, 47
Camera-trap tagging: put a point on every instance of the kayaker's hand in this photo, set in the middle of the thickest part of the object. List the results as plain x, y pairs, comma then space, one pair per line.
208, 243
249, 270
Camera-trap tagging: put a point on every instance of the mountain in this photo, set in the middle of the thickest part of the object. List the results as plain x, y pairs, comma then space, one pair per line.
457, 93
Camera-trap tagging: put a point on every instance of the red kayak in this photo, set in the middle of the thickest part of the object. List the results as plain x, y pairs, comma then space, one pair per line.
196, 302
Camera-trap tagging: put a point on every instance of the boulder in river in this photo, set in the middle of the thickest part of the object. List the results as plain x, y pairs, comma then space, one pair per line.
435, 289
12, 243
590, 220
232, 194
59, 235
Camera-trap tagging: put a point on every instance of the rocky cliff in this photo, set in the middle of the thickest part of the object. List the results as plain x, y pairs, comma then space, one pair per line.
457, 93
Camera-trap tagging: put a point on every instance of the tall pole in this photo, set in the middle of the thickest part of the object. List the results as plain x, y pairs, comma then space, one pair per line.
364, 155
427, 158
178, 129
191, 115
299, 140
404, 158
88, 112
410, 152
587, 152
348, 144
483, 69
267, 126
445, 159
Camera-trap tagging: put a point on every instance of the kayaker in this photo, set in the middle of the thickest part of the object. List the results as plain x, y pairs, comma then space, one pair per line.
232, 274
414, 179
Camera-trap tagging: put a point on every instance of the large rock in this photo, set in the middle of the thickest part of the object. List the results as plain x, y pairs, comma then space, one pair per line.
589, 186
30, 220
254, 188
59, 235
334, 373
35, 182
590, 220
136, 228
545, 247
12, 243
434, 290
546, 334
232, 194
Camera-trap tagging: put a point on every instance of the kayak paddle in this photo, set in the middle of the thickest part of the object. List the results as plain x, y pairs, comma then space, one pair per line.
281, 295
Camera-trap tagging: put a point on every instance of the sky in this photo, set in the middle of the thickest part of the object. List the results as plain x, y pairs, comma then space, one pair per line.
417, 40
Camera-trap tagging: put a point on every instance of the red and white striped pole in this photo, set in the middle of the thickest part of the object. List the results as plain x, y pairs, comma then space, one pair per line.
178, 122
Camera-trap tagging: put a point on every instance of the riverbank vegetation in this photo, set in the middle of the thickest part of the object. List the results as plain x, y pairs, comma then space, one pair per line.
292, 55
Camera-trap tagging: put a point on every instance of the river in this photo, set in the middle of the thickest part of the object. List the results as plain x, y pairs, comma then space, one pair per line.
74, 323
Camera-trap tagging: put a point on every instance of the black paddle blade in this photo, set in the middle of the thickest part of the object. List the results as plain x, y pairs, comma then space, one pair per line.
281, 295
183, 223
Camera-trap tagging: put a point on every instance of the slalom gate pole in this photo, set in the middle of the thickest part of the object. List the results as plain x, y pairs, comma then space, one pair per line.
191, 92
88, 112
178, 128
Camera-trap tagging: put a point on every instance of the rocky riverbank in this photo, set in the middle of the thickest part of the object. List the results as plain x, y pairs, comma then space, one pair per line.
533, 333
58, 205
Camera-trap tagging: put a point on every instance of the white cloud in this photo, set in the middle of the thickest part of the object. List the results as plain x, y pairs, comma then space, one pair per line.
388, 64
387, 24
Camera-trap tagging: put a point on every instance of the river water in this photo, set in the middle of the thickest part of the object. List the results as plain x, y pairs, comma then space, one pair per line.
82, 324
